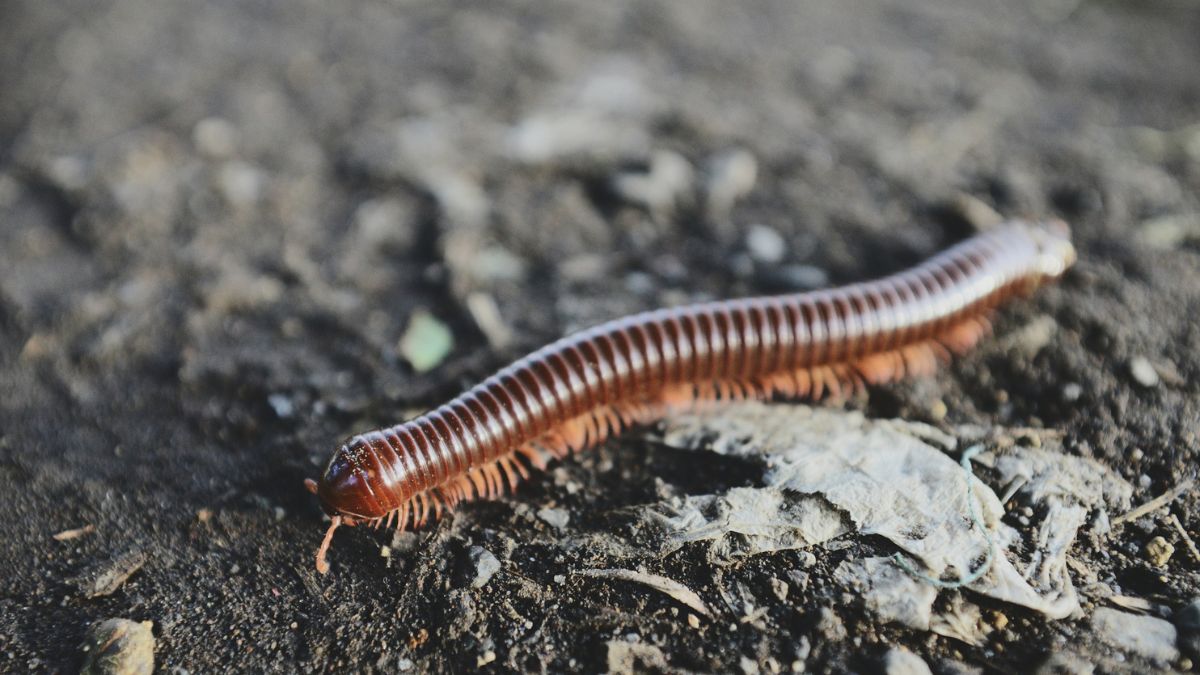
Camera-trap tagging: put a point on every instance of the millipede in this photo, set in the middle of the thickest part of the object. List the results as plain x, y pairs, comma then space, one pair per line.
575, 392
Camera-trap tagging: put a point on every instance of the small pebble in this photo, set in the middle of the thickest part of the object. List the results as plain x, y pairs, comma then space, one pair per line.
938, 410
240, 183
556, 518
899, 661
765, 244
693, 621
486, 565
1159, 551
1071, 392
1147, 636
119, 646
662, 187
802, 277
1136, 455
282, 405
1144, 481
426, 342
730, 176
215, 137
1143, 372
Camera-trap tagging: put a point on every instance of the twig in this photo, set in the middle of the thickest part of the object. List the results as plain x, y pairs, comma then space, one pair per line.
67, 535
1191, 545
1156, 503
670, 587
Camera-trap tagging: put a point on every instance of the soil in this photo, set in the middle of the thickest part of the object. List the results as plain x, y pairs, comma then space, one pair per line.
216, 220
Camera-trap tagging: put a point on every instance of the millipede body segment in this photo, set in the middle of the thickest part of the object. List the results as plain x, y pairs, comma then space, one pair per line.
577, 391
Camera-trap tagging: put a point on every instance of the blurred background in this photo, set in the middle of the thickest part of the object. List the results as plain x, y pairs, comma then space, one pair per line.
233, 232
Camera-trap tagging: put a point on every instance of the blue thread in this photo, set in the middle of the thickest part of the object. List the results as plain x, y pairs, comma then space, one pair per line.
971, 578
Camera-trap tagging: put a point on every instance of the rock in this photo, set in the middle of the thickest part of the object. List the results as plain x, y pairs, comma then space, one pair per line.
556, 518
1143, 372
888, 591
666, 184
899, 661
215, 137
1169, 232
831, 626
1187, 623
426, 342
633, 657
1145, 636
485, 563
119, 647
240, 183
1065, 663
1159, 551
730, 176
765, 244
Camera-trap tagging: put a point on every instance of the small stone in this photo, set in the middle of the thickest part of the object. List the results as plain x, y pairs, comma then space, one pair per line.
240, 183
119, 646
801, 277
780, 588
1000, 621
486, 565
1065, 663
900, 661
1169, 232
1147, 636
556, 518
938, 410
830, 624
1136, 455
1159, 551
749, 667
1143, 372
426, 342
485, 658
693, 620
765, 244
215, 137
1071, 392
1144, 481
660, 189
282, 405
730, 176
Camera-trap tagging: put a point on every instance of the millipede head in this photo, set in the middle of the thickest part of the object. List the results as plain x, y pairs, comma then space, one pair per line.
344, 488
1055, 251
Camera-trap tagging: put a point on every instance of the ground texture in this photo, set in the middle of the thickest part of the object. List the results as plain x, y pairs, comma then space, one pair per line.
219, 220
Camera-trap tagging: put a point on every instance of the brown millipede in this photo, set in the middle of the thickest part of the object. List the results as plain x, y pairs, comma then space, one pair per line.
577, 391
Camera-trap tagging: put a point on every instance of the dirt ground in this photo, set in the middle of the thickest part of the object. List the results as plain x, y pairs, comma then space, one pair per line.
218, 219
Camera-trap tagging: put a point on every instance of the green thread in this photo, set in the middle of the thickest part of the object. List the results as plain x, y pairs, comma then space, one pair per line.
972, 577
